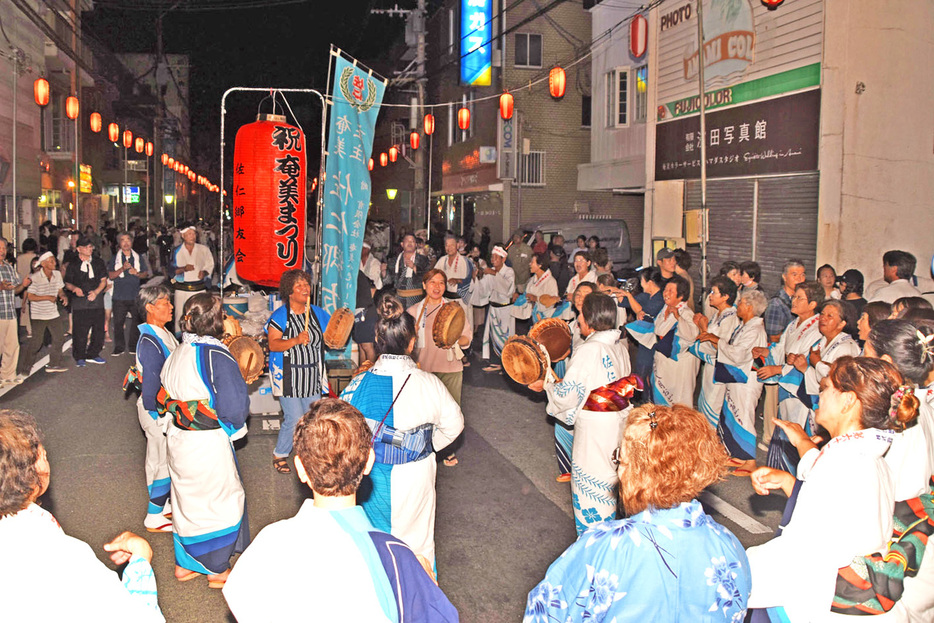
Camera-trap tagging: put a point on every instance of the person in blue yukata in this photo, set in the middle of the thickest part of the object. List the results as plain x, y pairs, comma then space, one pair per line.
667, 560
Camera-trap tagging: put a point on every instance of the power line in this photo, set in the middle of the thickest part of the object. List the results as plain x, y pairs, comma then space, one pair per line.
192, 7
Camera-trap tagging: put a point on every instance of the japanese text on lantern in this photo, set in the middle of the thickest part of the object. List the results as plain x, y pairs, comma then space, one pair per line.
239, 211
288, 139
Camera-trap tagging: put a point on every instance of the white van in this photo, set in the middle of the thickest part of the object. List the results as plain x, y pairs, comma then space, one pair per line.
612, 232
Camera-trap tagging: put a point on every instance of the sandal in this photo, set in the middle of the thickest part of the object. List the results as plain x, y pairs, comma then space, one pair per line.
563, 478
493, 368
742, 471
218, 581
450, 461
282, 465
189, 575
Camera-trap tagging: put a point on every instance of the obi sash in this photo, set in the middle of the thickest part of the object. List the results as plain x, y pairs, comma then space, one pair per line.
190, 414
396, 447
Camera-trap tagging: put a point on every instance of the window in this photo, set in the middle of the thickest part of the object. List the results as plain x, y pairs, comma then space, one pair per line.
528, 50
617, 98
585, 111
59, 133
533, 168
641, 103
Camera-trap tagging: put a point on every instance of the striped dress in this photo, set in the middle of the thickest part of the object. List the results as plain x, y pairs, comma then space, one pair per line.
299, 371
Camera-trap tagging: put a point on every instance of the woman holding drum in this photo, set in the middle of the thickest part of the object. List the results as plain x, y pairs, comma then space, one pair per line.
412, 414
296, 357
204, 393
438, 342
600, 360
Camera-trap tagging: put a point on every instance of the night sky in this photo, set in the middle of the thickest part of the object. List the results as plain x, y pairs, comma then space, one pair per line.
285, 46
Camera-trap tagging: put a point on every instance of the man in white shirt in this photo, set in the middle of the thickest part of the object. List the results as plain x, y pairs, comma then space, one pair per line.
454, 267
897, 269
372, 267
46, 289
328, 563
191, 264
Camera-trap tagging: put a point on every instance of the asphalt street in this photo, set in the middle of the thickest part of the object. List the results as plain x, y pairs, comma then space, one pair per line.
501, 519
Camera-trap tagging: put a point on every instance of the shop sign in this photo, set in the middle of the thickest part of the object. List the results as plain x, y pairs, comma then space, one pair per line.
506, 149
85, 180
773, 136
476, 42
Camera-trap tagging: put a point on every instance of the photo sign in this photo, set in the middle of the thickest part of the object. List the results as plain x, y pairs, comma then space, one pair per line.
773, 136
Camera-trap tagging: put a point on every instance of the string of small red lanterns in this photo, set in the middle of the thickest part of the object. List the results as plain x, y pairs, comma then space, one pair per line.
42, 95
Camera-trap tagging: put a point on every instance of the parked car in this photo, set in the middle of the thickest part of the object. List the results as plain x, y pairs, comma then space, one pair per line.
613, 234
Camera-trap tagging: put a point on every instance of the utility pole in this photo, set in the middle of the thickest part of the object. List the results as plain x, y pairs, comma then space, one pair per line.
158, 172
416, 23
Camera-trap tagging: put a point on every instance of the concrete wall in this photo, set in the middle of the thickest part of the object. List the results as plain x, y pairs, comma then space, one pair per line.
877, 147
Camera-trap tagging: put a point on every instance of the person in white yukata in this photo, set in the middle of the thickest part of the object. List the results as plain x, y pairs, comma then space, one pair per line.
191, 264
328, 563
35, 546
600, 360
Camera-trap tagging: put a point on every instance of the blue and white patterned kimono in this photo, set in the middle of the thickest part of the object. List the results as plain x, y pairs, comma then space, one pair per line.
673, 373
676, 564
710, 400
601, 359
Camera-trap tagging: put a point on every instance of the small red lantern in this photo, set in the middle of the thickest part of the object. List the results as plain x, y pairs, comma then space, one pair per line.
505, 105
393, 153
557, 82
165, 159
383, 159
771, 5
113, 132
71, 107
40, 89
370, 165
96, 123
171, 162
269, 204
638, 36
176, 166
140, 144
127, 139
192, 176
429, 125
413, 139
150, 148
463, 118
185, 169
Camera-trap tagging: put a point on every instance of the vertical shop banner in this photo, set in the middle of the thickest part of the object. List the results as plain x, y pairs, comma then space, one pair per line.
355, 102
476, 42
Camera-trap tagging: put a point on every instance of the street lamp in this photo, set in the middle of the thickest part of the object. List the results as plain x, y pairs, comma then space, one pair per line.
71, 111
391, 193
170, 199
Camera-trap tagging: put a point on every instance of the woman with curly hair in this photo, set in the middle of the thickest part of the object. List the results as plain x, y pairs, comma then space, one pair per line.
668, 560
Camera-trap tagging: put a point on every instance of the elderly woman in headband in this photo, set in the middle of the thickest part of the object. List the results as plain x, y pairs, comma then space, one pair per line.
668, 560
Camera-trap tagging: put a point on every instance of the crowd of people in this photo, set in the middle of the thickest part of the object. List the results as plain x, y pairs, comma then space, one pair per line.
658, 400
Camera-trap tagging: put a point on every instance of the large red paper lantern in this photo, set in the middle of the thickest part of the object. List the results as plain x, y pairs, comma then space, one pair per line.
96, 123
505, 105
771, 5
71, 107
638, 36
429, 125
40, 90
150, 148
383, 159
463, 118
413, 139
393, 153
269, 200
140, 144
113, 132
557, 82
127, 139
370, 165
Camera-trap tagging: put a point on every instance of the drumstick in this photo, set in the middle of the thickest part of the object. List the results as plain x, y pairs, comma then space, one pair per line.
307, 311
249, 362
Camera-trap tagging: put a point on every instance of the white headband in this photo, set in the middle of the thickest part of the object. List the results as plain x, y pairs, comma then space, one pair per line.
45, 256
190, 227
498, 250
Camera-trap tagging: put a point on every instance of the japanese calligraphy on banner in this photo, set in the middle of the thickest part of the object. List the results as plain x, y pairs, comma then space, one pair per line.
268, 200
356, 98
773, 136
476, 42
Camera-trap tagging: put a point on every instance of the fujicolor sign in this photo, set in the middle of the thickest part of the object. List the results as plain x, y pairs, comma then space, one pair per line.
476, 42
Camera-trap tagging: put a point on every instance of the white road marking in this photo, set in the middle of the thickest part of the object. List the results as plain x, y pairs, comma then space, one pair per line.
735, 515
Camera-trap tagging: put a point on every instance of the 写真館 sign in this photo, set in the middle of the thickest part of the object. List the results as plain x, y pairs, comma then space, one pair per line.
779, 135
476, 42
